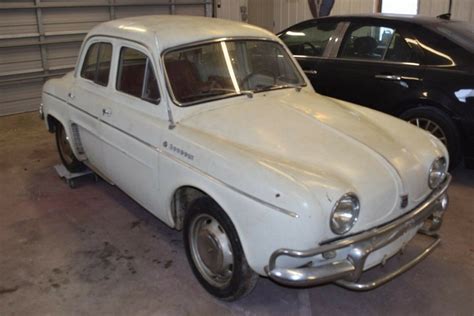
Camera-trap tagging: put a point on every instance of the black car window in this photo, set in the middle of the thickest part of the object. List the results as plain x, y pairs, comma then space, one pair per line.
366, 42
309, 40
136, 75
438, 50
400, 50
96, 65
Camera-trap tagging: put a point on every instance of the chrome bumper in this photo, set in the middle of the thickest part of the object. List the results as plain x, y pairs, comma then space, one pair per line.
348, 271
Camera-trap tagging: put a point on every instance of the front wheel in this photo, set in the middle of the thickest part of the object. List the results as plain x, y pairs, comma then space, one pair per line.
214, 251
440, 125
66, 154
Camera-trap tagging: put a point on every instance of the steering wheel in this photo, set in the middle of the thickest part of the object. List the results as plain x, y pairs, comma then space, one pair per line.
253, 74
313, 48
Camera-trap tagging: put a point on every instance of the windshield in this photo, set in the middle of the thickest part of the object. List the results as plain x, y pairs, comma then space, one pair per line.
229, 68
462, 33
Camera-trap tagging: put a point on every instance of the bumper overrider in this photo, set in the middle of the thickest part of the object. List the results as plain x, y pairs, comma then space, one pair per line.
348, 271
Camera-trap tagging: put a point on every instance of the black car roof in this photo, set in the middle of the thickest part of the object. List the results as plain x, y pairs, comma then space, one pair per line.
414, 19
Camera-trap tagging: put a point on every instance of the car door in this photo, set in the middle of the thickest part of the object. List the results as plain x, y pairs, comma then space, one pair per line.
86, 98
310, 43
131, 126
376, 65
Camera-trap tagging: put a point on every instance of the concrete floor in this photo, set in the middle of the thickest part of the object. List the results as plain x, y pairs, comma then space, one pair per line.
93, 250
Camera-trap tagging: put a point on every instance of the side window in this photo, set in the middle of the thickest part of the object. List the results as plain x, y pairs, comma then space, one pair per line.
90, 62
376, 43
136, 75
309, 40
366, 42
400, 50
438, 50
96, 65
103, 64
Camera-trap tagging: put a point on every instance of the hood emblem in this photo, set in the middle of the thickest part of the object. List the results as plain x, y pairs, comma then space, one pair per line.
404, 201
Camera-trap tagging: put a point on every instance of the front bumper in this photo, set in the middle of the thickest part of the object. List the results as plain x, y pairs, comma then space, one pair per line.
347, 272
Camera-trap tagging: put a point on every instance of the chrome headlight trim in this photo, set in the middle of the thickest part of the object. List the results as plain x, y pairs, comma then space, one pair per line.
438, 172
342, 220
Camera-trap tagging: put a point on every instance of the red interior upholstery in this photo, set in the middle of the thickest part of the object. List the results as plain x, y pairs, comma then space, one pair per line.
131, 80
183, 77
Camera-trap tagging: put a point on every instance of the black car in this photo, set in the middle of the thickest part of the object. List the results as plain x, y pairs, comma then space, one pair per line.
420, 69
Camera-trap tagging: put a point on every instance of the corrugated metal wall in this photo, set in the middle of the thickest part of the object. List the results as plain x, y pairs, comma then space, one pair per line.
260, 13
41, 38
461, 9
289, 12
231, 9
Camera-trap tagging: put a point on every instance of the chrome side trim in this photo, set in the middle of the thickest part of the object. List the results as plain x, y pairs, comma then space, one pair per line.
170, 156
202, 173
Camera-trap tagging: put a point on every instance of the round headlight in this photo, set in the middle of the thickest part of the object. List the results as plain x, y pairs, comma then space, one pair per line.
437, 173
345, 213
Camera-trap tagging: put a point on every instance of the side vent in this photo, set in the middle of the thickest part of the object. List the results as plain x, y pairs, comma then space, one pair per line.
77, 139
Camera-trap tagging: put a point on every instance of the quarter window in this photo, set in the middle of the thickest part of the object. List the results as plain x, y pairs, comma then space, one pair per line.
309, 40
136, 75
96, 66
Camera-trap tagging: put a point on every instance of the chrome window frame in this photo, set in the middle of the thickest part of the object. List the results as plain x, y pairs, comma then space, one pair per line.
218, 40
145, 51
99, 39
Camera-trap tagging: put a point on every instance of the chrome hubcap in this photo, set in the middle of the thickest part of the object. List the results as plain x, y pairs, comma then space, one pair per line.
65, 147
211, 250
430, 126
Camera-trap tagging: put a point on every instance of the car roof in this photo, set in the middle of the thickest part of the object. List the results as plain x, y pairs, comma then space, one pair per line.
185, 29
413, 19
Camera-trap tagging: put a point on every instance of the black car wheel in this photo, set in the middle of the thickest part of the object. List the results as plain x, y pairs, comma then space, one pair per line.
438, 124
214, 251
66, 154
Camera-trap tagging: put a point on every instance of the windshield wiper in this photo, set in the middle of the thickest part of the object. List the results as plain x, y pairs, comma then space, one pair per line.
248, 93
282, 86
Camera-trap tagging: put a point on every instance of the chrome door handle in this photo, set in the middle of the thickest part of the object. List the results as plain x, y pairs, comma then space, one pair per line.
389, 77
106, 112
70, 95
311, 72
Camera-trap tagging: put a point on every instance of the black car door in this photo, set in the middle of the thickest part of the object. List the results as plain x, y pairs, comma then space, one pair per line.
377, 65
309, 43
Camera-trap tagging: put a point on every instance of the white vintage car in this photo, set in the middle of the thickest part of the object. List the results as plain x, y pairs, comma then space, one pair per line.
213, 127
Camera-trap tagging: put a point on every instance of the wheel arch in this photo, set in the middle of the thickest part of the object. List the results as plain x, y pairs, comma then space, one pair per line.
51, 122
181, 199
414, 103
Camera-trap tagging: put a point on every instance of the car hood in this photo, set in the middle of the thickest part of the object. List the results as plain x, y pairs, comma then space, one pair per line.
329, 147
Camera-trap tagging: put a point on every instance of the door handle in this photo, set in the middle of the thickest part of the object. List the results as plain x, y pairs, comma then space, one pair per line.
389, 77
70, 95
106, 112
311, 72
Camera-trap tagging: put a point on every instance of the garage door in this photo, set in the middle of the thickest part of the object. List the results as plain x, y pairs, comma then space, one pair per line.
40, 39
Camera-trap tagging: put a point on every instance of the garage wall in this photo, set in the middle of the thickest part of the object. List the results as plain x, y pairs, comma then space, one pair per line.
231, 9
461, 9
40, 39
289, 12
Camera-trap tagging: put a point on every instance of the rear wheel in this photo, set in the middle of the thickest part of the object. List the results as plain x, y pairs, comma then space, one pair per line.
214, 251
440, 125
66, 154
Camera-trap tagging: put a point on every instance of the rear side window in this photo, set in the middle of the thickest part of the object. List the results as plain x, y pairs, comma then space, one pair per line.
376, 43
309, 40
136, 75
96, 65
366, 42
